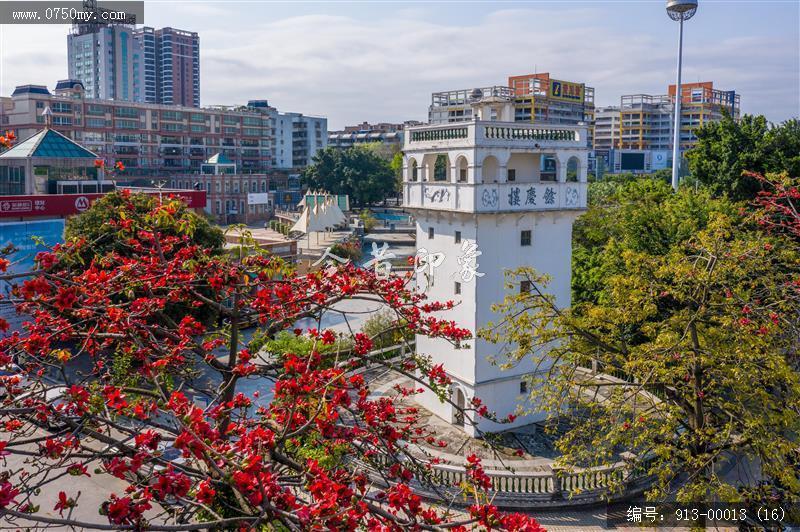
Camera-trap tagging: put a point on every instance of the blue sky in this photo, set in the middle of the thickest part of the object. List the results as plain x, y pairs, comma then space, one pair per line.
379, 61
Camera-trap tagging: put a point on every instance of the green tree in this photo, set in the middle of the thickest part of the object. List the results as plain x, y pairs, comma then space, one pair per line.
397, 167
382, 327
102, 225
358, 172
381, 149
695, 340
727, 149
642, 214
368, 220
783, 148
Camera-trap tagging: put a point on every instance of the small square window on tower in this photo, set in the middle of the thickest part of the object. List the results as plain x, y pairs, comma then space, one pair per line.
458, 288
458, 237
525, 238
523, 386
430, 233
524, 287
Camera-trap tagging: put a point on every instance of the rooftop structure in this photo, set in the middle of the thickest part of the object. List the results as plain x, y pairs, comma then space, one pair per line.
646, 120
385, 133
456, 105
537, 98
46, 163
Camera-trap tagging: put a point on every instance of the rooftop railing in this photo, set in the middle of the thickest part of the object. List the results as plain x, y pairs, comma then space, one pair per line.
528, 133
531, 489
445, 133
494, 130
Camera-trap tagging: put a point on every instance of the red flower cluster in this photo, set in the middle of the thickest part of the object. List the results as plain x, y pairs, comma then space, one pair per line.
8, 139
476, 473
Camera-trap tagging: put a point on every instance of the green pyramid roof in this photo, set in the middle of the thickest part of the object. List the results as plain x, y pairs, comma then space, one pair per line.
219, 158
48, 143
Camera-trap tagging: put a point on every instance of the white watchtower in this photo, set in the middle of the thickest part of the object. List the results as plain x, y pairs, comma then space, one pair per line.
514, 190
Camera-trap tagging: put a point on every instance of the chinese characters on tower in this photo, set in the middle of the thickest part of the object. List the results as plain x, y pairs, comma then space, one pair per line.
425, 262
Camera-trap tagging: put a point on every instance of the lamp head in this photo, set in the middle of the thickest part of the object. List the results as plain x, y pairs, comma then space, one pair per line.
681, 9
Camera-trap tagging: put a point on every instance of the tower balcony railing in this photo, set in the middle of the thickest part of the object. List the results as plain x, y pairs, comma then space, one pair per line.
495, 197
494, 133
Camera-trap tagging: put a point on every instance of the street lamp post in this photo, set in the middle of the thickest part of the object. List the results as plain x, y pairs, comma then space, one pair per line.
679, 10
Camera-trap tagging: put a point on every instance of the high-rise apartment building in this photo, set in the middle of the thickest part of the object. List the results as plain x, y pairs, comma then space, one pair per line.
151, 140
297, 138
175, 145
646, 121
177, 67
107, 59
148, 87
606, 128
123, 62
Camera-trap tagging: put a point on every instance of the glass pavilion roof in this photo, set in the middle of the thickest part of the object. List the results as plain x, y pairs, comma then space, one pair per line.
48, 143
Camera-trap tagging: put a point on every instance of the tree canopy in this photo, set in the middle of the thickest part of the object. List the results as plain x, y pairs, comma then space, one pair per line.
691, 349
727, 149
359, 172
105, 227
637, 213
103, 224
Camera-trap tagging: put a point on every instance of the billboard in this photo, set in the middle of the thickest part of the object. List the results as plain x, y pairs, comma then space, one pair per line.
658, 160
566, 91
631, 161
258, 198
69, 204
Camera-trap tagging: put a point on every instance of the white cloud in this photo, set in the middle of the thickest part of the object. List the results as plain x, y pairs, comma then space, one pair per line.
386, 69
352, 69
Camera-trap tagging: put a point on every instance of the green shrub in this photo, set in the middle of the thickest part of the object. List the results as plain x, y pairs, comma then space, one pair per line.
348, 249
368, 220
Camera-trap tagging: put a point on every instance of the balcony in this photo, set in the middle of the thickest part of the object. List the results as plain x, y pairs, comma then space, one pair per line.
495, 134
495, 197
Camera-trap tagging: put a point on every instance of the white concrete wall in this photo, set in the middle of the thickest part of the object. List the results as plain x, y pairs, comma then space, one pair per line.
498, 238
283, 140
550, 253
458, 362
527, 166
